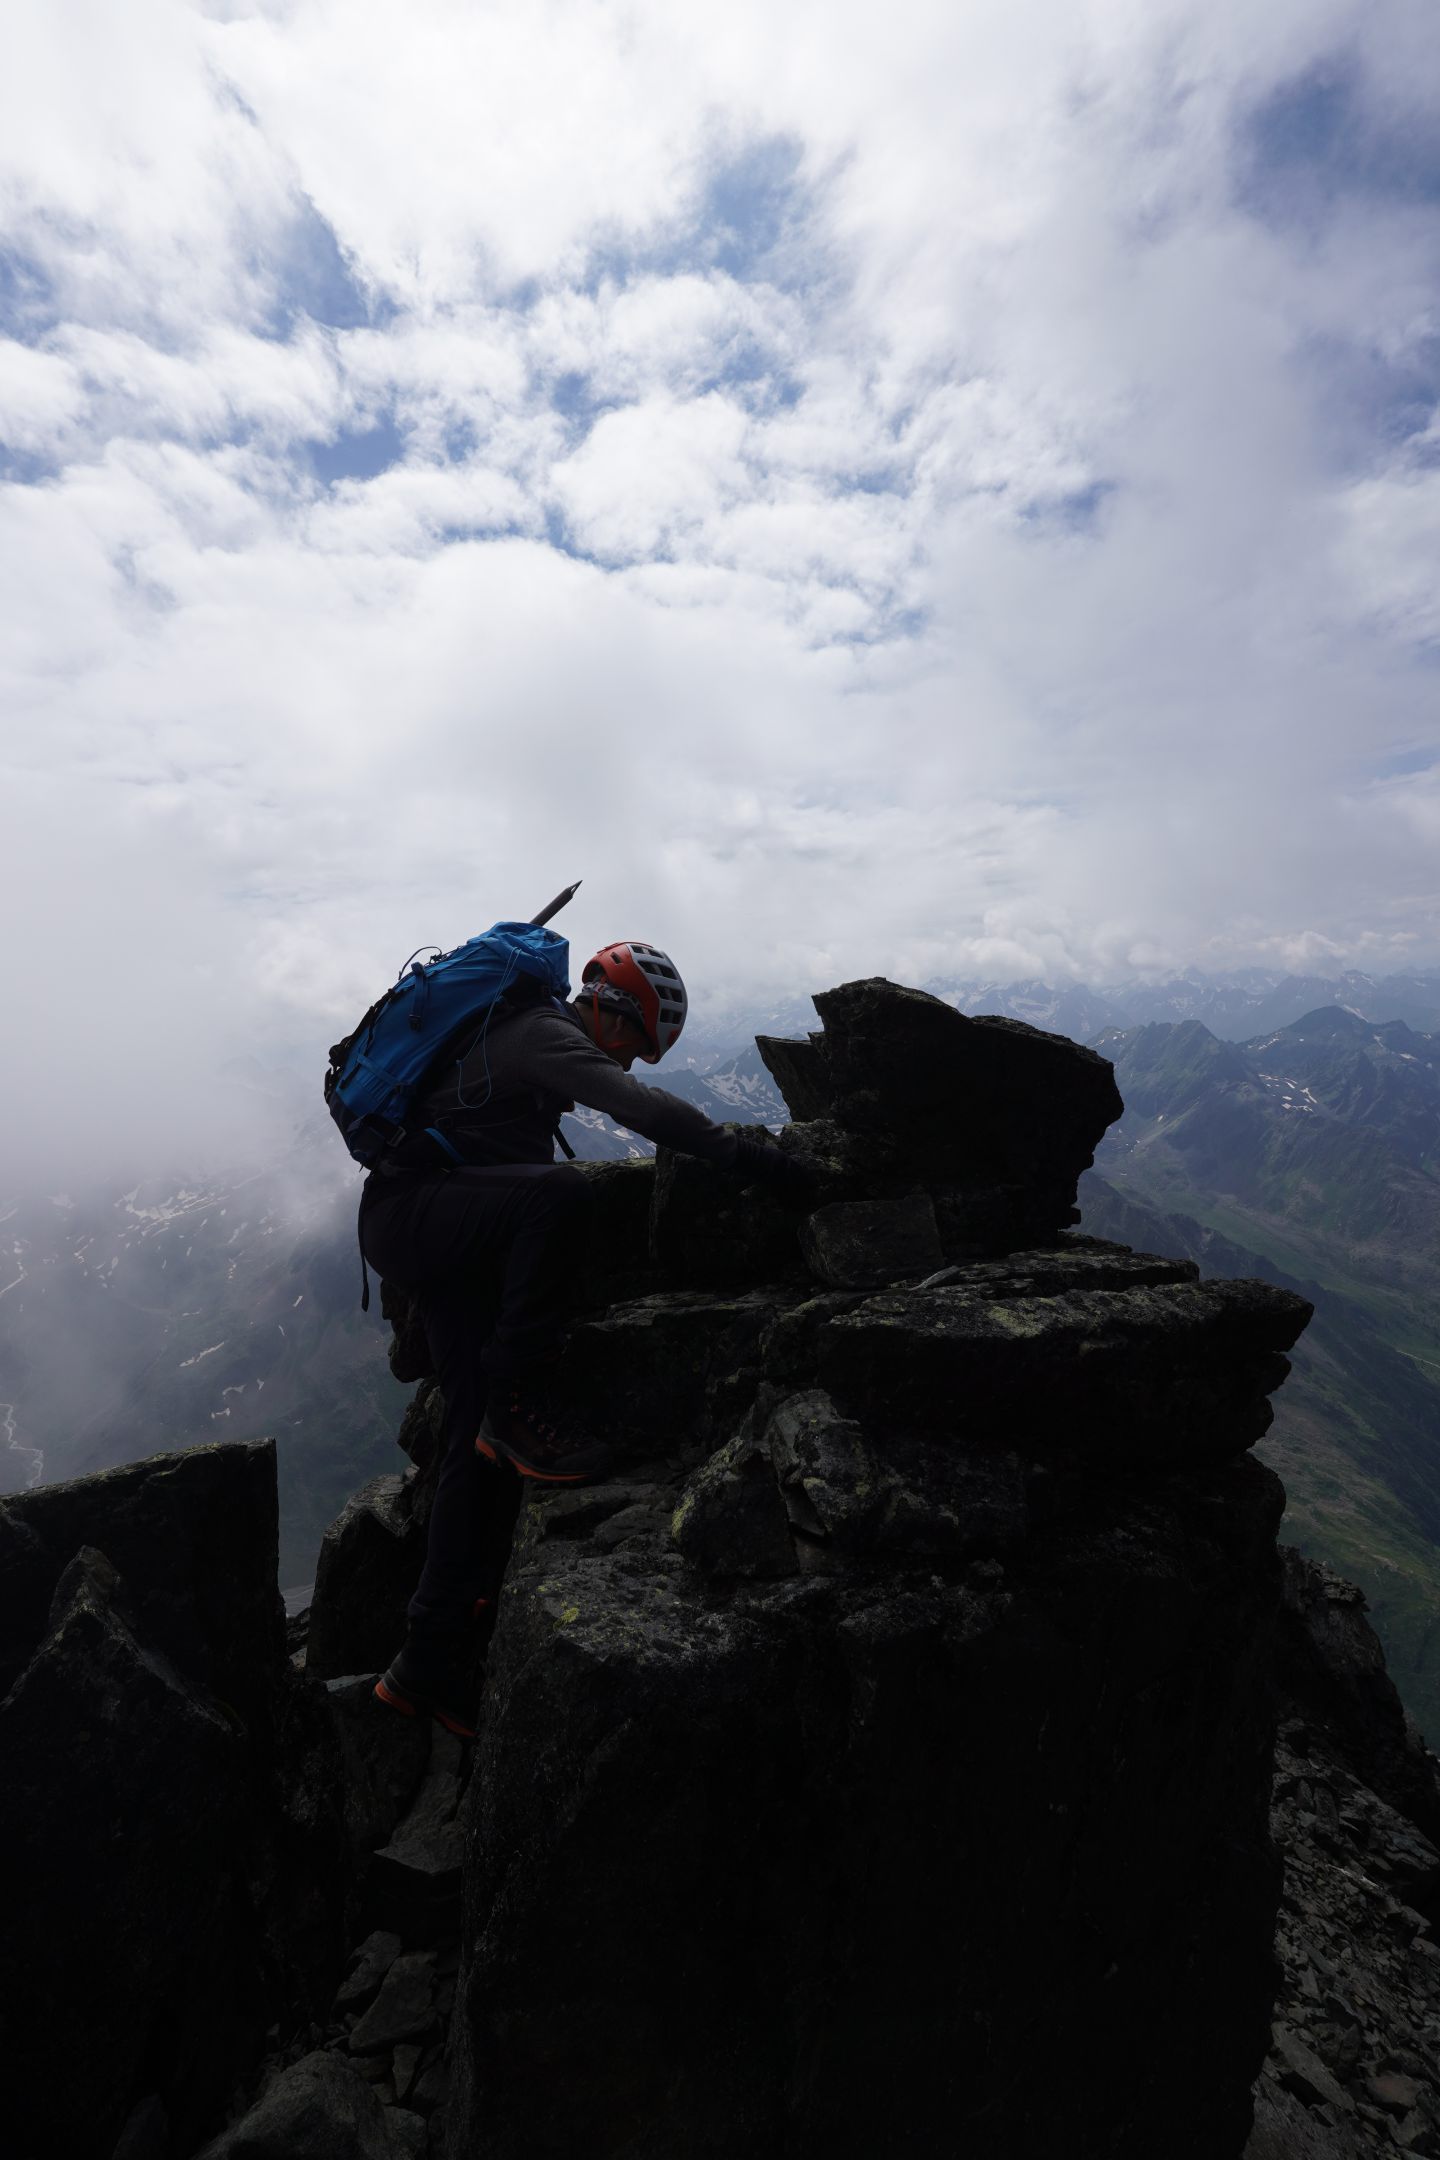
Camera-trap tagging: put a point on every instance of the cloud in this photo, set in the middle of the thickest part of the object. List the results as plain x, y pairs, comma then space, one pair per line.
945, 492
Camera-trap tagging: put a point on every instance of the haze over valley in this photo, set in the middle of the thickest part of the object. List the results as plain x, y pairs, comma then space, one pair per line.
1264, 1134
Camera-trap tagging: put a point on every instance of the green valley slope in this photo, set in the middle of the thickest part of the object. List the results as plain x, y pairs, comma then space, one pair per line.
1312, 1156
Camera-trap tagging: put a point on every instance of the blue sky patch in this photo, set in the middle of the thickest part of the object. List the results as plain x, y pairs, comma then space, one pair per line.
559, 536
1320, 136
754, 376
752, 220
750, 207
877, 480
889, 625
22, 468
1404, 762
27, 297
461, 442
570, 395
1077, 511
357, 453
1366, 398
314, 282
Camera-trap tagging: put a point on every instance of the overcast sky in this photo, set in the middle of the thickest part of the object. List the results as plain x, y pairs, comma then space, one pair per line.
934, 489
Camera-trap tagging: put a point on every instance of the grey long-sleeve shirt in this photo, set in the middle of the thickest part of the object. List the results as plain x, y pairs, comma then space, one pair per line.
504, 1100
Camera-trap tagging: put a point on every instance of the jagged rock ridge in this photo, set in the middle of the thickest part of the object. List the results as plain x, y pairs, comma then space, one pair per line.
1356, 1815
883, 1760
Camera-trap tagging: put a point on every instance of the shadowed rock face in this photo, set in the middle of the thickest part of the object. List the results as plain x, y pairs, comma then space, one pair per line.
885, 1764
935, 1138
829, 1863
879, 1762
197, 1829
883, 1761
981, 1101
211, 1606
842, 1774
1356, 1810
902, 1098
173, 1791
1332, 1673
371, 1556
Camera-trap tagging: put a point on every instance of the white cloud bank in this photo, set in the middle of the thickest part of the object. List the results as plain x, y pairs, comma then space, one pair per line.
919, 489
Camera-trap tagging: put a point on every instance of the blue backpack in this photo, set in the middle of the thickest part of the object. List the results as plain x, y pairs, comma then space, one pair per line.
437, 1009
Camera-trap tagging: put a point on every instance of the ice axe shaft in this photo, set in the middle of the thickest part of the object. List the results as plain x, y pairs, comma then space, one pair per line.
560, 900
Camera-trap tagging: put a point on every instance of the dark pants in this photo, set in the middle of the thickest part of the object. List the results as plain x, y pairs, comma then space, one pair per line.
490, 1255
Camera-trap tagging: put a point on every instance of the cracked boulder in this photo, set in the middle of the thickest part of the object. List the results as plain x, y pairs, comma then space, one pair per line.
961, 1805
974, 1100
850, 1493
731, 1519
414, 1879
370, 1561
174, 1788
384, 1757
318, 2109
679, 1370
859, 1244
1104, 1378
994, 1119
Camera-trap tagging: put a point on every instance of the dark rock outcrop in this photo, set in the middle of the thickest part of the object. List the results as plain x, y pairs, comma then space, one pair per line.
206, 1600
370, 1561
1174, 1371
371, 1555
880, 1761
914, 1704
1332, 1675
1351, 2071
318, 2109
905, 1711
201, 1827
857, 1244
706, 1231
414, 1880
172, 1794
383, 1760
386, 2025
900, 1096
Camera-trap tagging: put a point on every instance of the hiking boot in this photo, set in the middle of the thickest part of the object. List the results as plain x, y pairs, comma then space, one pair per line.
517, 1432
434, 1680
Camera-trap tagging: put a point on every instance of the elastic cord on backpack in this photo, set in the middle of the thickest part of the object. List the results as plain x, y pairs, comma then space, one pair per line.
413, 957
509, 976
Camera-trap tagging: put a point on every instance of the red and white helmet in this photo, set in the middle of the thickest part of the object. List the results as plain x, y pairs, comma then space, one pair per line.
649, 977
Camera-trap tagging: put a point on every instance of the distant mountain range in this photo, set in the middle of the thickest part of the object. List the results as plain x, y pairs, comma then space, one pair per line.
1311, 1154
1237, 1007
1278, 1125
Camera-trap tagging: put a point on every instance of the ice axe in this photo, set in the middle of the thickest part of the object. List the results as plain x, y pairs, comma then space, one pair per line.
539, 921
561, 900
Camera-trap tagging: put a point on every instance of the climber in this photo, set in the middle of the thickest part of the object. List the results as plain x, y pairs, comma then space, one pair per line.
490, 1247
